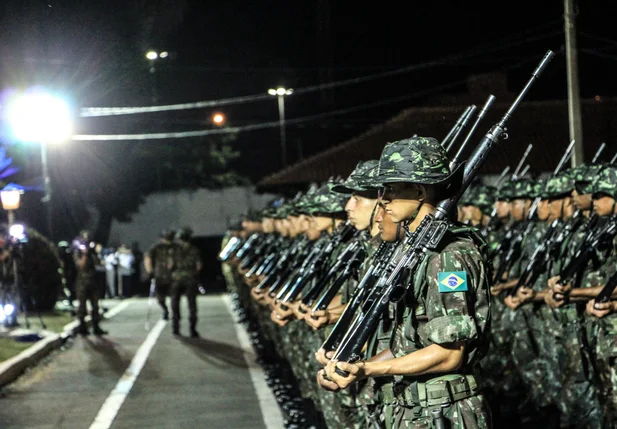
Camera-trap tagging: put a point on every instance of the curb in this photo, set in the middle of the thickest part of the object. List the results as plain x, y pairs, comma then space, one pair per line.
12, 368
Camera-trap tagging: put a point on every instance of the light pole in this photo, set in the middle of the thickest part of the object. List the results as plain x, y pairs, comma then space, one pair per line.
10, 198
152, 56
281, 92
39, 117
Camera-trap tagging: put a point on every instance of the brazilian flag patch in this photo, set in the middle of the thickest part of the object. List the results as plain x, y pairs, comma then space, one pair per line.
452, 281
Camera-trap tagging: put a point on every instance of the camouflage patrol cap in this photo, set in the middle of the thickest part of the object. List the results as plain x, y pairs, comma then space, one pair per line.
359, 175
419, 160
559, 186
523, 188
584, 178
253, 215
606, 182
184, 233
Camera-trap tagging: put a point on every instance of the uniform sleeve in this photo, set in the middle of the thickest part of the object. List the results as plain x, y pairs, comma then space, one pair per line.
451, 315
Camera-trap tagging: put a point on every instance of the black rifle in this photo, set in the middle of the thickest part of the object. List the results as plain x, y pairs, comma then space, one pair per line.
427, 237
466, 120
607, 291
232, 245
455, 128
285, 264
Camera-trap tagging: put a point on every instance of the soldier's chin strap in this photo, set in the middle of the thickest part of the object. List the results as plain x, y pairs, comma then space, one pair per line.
408, 222
372, 218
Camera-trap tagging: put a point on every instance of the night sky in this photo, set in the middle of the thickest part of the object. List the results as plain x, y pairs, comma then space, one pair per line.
93, 52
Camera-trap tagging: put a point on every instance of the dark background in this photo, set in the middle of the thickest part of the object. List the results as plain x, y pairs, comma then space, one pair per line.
93, 53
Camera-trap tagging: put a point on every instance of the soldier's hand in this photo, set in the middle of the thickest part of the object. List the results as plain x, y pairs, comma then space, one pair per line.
317, 319
600, 309
552, 301
258, 295
525, 294
322, 357
276, 318
285, 314
560, 292
325, 383
512, 302
301, 310
496, 289
355, 370
553, 281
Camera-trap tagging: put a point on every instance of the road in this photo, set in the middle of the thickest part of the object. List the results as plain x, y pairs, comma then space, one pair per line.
172, 382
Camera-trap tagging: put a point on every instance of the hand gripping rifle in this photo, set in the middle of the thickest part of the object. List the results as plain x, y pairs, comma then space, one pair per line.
310, 271
608, 289
427, 237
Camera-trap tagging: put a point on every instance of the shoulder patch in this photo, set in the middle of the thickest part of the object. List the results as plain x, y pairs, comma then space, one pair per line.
452, 281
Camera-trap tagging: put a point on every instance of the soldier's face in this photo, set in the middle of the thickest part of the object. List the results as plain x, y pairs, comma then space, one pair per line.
320, 223
581, 201
267, 225
387, 228
519, 208
604, 205
402, 200
503, 209
359, 210
543, 210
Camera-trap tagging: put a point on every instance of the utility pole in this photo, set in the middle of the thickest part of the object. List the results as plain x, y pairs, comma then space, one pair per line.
574, 97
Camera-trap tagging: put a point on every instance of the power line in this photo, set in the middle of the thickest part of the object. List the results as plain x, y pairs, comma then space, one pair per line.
497, 47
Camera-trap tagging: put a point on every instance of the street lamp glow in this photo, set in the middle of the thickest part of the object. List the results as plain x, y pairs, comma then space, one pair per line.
272, 91
152, 55
39, 117
164, 54
218, 118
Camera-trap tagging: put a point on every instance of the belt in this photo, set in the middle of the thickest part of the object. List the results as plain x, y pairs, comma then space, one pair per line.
443, 390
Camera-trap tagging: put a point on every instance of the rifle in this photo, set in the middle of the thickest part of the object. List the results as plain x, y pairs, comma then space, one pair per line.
359, 295
229, 249
525, 170
427, 237
463, 125
598, 152
455, 128
586, 249
608, 289
282, 269
514, 247
248, 244
614, 159
487, 105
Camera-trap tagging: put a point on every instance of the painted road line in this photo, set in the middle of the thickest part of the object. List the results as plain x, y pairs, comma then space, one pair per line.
270, 410
114, 401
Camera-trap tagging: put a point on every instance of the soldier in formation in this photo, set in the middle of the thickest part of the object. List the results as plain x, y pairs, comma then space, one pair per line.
509, 321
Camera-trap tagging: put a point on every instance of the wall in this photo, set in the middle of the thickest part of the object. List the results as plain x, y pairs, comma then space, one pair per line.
208, 212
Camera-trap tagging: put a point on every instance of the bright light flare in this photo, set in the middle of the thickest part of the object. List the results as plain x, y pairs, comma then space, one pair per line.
280, 91
218, 118
39, 117
17, 231
152, 55
9, 309
164, 54
272, 91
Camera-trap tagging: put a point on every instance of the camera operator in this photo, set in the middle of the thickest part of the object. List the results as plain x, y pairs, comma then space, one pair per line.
86, 284
8, 294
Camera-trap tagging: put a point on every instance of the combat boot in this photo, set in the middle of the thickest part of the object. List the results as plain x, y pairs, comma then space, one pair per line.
97, 330
175, 329
82, 328
166, 314
194, 333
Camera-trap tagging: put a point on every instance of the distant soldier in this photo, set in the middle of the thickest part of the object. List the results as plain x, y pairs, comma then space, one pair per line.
158, 262
186, 267
86, 286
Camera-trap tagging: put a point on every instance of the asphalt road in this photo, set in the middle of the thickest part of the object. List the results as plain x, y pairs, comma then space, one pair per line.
184, 382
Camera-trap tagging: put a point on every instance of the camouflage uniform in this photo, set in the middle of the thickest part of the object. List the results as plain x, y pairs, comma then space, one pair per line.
86, 285
428, 315
184, 278
162, 256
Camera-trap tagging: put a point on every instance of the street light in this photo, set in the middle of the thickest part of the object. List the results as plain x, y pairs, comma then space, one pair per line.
152, 56
218, 119
39, 117
281, 92
10, 202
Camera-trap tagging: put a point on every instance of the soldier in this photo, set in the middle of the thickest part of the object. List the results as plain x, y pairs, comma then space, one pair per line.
158, 262
184, 280
86, 287
440, 332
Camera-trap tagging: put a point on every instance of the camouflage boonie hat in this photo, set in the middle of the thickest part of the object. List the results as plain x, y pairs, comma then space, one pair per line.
584, 178
505, 192
324, 201
524, 189
469, 196
419, 160
559, 186
253, 215
606, 182
484, 198
354, 182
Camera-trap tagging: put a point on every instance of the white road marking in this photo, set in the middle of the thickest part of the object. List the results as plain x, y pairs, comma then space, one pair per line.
270, 410
114, 401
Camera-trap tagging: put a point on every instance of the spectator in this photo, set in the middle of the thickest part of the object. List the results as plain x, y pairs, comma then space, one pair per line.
126, 262
111, 271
